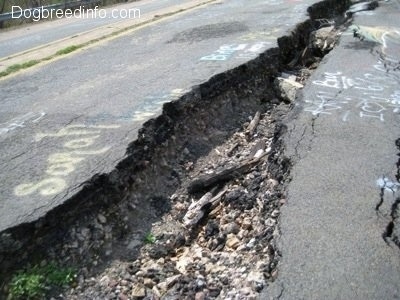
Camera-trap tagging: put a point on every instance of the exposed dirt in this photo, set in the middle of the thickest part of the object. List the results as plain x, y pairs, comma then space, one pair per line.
228, 252
233, 239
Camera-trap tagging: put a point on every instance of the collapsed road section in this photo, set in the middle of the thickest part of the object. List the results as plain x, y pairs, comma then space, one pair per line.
61, 123
204, 149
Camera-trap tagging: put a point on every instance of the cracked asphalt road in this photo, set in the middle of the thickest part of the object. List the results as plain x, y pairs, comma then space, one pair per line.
66, 121
28, 36
341, 138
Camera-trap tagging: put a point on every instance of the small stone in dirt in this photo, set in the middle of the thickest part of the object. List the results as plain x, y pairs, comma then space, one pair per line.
123, 282
200, 283
232, 241
275, 213
148, 282
172, 280
84, 234
246, 223
215, 291
156, 293
270, 222
288, 88
231, 228
274, 274
251, 243
324, 38
211, 229
158, 251
162, 286
132, 269
104, 281
122, 296
272, 183
256, 279
200, 296
233, 195
179, 240
182, 263
112, 283
102, 219
245, 291
221, 239
138, 291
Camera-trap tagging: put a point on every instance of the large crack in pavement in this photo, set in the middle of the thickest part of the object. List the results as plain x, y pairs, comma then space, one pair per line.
392, 230
229, 125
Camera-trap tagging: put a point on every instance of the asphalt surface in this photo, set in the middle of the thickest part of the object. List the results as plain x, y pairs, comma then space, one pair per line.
63, 122
342, 139
28, 36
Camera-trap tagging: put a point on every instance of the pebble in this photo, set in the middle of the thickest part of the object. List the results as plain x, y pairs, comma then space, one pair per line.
274, 274
138, 291
200, 283
275, 213
163, 287
231, 228
172, 280
251, 243
232, 241
245, 291
247, 223
156, 292
105, 281
124, 282
272, 183
148, 282
122, 296
200, 296
270, 222
102, 219
241, 248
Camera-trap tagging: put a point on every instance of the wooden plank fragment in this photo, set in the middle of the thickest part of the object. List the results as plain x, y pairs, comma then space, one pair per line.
228, 173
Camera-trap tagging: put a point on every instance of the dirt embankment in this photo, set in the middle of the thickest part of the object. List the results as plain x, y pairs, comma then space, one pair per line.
221, 142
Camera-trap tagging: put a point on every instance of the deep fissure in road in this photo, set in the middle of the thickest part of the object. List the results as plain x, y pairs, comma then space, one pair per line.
392, 231
205, 133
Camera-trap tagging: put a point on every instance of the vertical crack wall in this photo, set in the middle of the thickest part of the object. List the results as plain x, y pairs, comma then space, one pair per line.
392, 231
